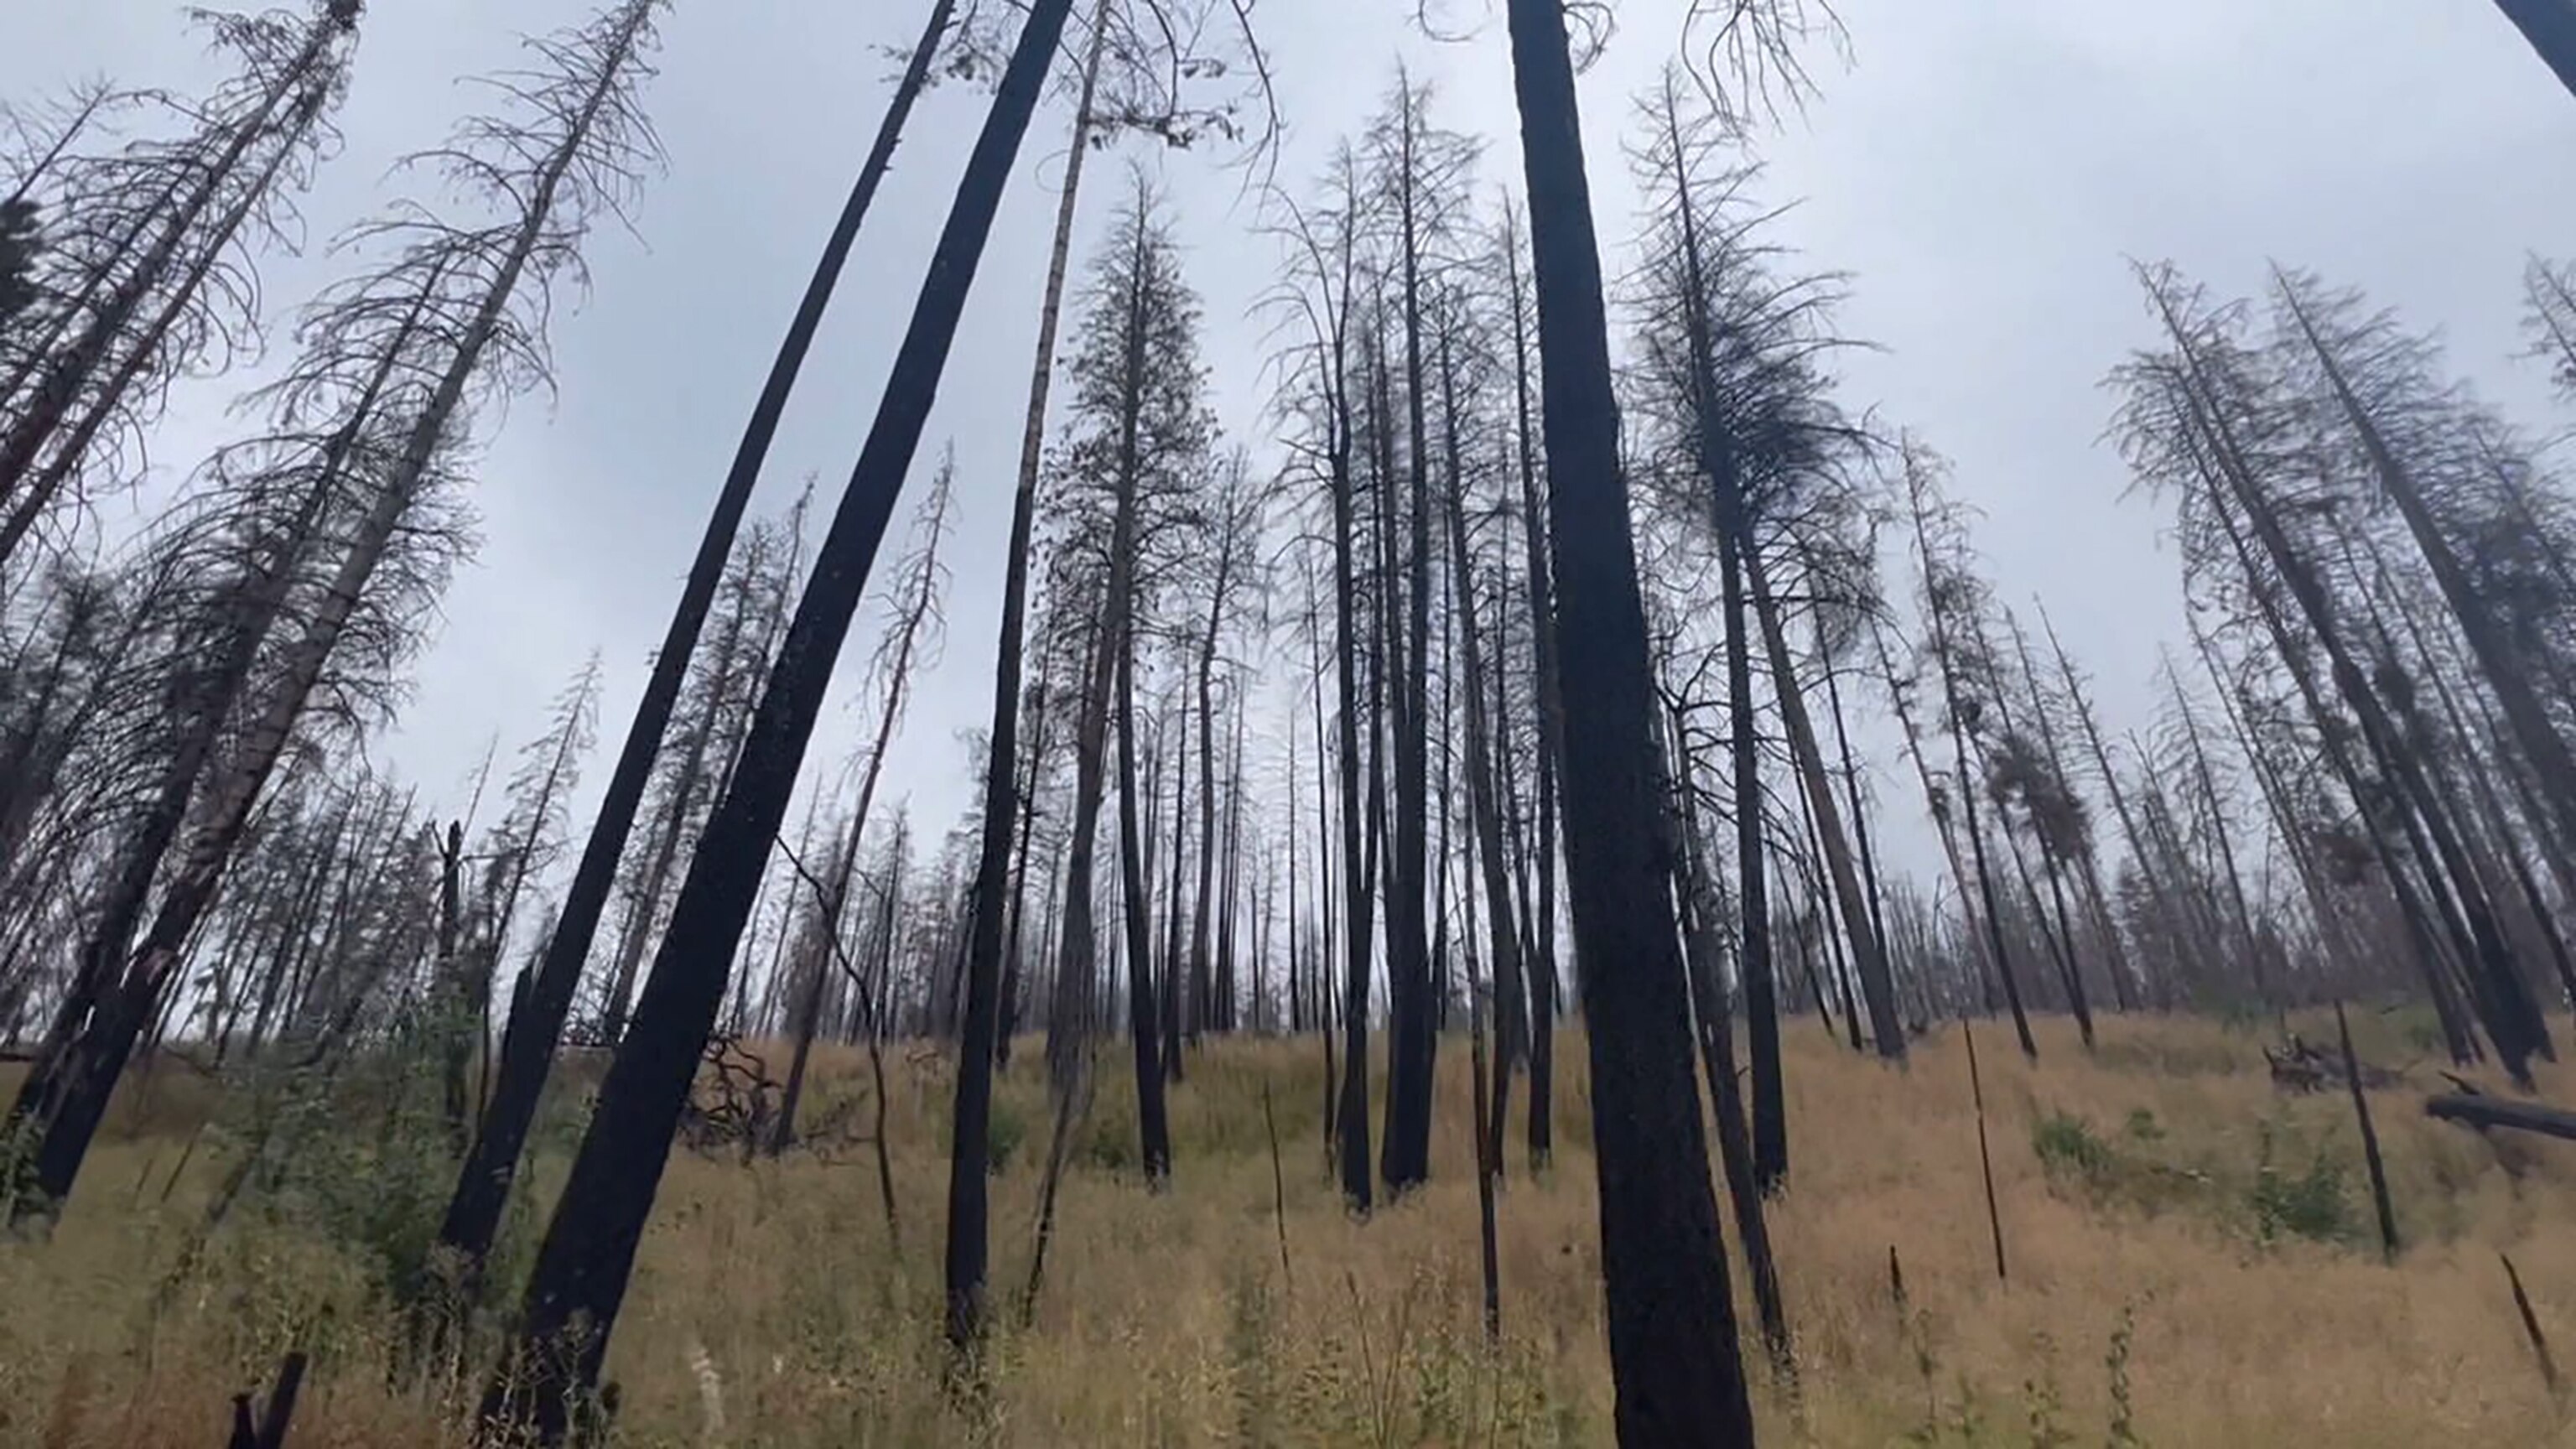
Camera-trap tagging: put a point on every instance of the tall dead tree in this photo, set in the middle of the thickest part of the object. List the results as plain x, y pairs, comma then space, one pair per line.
483, 1186
914, 627
167, 290
1322, 298
570, 149
1951, 596
1418, 171
1675, 1362
520, 847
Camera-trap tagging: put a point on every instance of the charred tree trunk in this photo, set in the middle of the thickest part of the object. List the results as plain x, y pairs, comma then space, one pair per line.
474, 1210
1551, 726
1676, 1366
582, 1267
1877, 982
2550, 27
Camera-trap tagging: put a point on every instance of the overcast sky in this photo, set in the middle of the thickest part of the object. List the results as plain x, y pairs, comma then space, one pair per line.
1983, 169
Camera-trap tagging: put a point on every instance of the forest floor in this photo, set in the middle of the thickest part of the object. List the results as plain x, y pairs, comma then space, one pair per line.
2193, 1261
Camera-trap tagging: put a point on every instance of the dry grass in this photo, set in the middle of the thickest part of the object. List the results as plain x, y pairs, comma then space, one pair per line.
772, 1308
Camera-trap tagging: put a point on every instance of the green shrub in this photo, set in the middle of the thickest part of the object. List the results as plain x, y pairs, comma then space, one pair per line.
1004, 1131
2313, 1204
2067, 1145
1109, 1140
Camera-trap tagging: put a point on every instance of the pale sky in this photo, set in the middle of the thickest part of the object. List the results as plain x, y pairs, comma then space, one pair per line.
1983, 169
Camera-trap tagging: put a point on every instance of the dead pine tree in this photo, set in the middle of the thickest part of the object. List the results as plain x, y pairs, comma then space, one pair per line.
475, 1207
573, 142
1322, 296
912, 638
1539, 964
1138, 98
161, 292
582, 1266
1952, 598
1676, 1365
522, 846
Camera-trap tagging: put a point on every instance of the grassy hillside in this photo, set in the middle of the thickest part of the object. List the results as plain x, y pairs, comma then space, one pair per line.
2192, 1262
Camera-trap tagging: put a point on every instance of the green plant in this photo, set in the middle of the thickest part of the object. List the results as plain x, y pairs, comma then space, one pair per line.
2143, 1126
2068, 1145
2313, 1204
1004, 1131
2043, 1403
1109, 1141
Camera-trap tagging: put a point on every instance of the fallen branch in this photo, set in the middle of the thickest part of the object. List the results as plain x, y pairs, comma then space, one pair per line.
2482, 1112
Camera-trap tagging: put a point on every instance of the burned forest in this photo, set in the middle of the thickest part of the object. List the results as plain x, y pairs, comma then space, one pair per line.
1062, 722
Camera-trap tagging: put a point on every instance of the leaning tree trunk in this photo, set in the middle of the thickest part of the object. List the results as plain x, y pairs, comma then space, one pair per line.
474, 1209
2514, 1019
2550, 26
51, 400
45, 1086
2507, 675
1877, 983
582, 1267
1965, 782
2417, 915
1754, 957
1676, 1367
100, 1056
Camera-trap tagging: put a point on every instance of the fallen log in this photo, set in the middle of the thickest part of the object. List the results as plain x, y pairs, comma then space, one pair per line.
2482, 1111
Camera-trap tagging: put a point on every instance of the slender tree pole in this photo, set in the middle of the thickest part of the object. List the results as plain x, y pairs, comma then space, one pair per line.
981, 1043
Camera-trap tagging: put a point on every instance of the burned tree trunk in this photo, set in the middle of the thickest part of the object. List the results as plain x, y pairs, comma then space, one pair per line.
1675, 1362
582, 1267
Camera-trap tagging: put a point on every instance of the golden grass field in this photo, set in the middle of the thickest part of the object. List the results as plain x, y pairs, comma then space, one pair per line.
772, 1307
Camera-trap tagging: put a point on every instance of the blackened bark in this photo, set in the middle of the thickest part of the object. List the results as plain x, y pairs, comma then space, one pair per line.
1965, 787
1753, 933
2550, 26
582, 1267
1152, 1127
1542, 605
1358, 922
474, 1209
1697, 887
1676, 1366
1877, 983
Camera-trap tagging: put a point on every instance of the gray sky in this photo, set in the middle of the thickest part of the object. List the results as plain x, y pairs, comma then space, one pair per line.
1983, 169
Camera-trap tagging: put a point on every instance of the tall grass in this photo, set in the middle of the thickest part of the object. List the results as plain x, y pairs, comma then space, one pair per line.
2182, 1271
